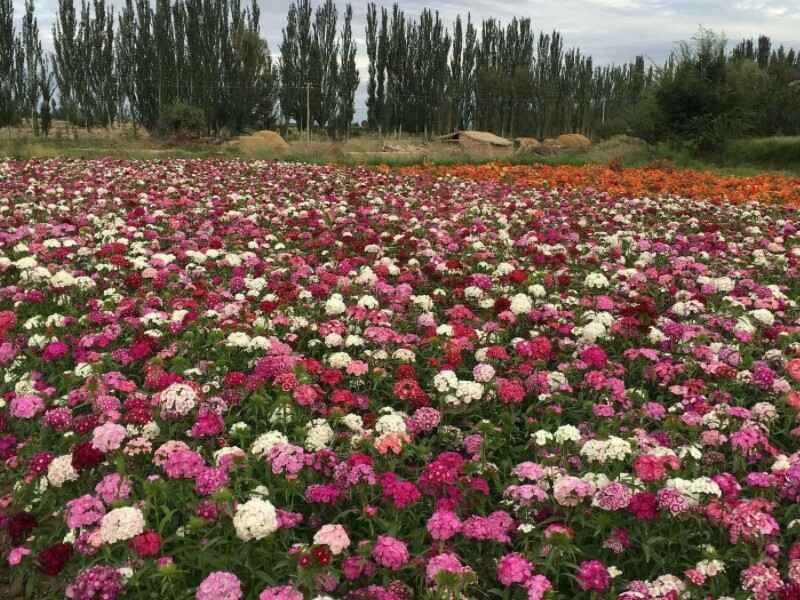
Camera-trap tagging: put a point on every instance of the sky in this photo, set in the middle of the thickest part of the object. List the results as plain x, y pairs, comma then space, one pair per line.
611, 31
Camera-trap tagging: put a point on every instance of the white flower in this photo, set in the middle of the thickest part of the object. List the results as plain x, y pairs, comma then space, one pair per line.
61, 280
567, 433
339, 360
319, 435
469, 391
763, 316
237, 339
392, 423
264, 443
537, 290
178, 399
255, 519
61, 471
353, 422
368, 302
542, 437
335, 305
444, 381
521, 304
595, 280
121, 524
602, 451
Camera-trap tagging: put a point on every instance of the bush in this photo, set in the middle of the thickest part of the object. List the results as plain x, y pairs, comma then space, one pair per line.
182, 120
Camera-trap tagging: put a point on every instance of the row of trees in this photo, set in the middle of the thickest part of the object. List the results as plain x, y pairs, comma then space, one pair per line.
176, 65
503, 79
706, 95
169, 64
25, 75
318, 70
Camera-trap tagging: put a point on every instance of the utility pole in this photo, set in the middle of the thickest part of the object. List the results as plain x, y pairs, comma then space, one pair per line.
308, 111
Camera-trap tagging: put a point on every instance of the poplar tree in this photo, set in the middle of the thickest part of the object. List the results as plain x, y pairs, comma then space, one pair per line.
8, 98
348, 75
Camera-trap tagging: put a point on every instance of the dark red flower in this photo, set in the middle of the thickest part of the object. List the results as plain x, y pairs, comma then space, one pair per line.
20, 526
85, 456
53, 559
322, 555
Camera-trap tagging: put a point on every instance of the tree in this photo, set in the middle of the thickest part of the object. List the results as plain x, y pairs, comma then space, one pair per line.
46, 88
8, 97
372, 69
295, 63
33, 57
324, 65
348, 75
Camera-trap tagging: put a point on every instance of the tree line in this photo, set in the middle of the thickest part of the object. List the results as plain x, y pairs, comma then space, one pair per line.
505, 79
170, 65
708, 94
175, 65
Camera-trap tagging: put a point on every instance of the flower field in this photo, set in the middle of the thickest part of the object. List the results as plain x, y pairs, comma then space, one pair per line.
273, 381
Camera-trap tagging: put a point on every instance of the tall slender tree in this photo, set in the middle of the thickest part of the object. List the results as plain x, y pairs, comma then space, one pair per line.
348, 75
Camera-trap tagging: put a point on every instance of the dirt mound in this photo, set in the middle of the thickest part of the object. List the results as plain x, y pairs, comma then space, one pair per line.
526, 144
261, 141
573, 140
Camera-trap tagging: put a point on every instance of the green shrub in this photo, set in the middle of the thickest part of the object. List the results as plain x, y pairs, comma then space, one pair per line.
182, 120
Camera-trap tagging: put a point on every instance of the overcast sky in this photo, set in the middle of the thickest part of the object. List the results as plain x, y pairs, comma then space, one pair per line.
612, 31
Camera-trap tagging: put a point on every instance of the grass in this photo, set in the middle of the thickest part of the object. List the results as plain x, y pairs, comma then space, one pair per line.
742, 157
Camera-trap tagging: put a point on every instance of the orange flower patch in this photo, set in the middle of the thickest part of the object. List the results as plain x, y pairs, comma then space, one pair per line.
766, 188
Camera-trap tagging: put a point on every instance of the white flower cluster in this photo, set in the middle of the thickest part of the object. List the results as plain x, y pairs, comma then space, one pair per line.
264, 443
595, 281
335, 305
391, 422
457, 391
319, 435
178, 399
339, 360
255, 519
521, 304
60, 470
602, 451
694, 489
121, 524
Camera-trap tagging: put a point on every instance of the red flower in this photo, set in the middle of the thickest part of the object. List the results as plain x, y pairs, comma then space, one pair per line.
322, 555
146, 544
85, 456
20, 525
53, 559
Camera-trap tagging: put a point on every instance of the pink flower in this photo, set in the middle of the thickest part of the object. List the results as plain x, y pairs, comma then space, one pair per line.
537, 587
113, 487
513, 568
390, 552
443, 525
26, 406
83, 511
16, 555
108, 437
334, 536
593, 575
219, 585
444, 563
282, 592
207, 424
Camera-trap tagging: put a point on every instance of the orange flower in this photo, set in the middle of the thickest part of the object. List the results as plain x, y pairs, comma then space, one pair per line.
767, 188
